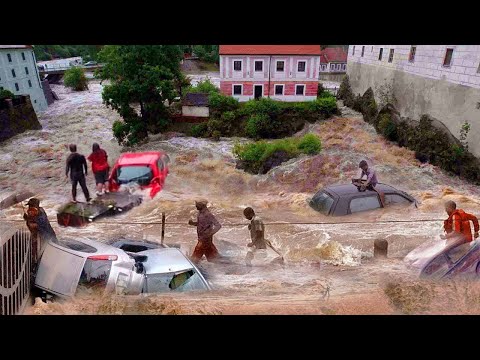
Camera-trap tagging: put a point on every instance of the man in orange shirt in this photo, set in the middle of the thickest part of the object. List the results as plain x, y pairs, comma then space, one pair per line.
458, 223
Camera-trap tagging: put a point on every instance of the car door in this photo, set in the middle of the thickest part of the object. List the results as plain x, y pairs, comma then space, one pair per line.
468, 264
440, 265
364, 203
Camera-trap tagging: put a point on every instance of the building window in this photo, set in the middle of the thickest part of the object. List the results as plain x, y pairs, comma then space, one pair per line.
280, 66
363, 50
278, 89
237, 89
324, 67
258, 65
390, 57
301, 66
448, 58
23, 56
237, 65
299, 89
16, 87
411, 57
29, 83
380, 54
353, 51
9, 58
332, 67
344, 66
13, 73
26, 70
338, 66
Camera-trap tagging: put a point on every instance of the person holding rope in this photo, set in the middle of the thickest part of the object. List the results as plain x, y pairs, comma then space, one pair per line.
371, 181
258, 244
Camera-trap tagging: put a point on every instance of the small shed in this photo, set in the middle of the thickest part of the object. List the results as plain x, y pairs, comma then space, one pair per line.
196, 105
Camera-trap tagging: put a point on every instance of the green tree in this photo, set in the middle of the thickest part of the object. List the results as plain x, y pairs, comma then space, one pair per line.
75, 78
208, 53
141, 78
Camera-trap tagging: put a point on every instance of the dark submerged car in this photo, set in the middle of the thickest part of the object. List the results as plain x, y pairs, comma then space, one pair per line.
339, 200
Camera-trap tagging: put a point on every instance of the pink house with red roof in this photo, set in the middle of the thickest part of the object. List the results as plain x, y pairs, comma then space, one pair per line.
280, 72
333, 60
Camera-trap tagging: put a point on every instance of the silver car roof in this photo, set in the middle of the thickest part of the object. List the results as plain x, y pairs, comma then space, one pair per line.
102, 249
166, 260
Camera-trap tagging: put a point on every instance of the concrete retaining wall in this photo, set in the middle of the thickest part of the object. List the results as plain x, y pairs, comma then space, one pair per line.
450, 103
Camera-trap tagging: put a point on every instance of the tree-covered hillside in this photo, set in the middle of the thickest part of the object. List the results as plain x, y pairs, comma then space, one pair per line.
49, 52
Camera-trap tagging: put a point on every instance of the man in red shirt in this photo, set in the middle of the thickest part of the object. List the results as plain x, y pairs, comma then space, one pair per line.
100, 168
457, 226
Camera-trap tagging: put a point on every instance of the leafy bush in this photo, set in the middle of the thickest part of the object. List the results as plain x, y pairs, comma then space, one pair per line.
199, 130
257, 157
320, 89
310, 144
75, 78
219, 104
262, 106
257, 125
6, 94
204, 86
387, 127
345, 92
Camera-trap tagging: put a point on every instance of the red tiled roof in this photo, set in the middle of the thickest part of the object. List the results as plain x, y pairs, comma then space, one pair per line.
15, 46
269, 50
333, 54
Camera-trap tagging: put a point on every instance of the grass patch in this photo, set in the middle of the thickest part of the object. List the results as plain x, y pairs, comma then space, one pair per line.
261, 156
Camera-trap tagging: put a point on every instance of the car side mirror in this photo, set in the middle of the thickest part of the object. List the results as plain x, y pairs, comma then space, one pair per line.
156, 179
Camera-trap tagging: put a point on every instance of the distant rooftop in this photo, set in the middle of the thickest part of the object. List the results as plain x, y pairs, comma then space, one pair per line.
195, 99
269, 50
336, 54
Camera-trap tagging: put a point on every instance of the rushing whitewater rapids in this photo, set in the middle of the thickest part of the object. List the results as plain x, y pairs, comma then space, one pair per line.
329, 268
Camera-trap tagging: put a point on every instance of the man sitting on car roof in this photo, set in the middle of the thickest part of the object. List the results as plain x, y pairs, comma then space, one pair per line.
371, 181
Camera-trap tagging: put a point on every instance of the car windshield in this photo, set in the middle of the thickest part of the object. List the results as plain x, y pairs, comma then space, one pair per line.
141, 174
181, 281
322, 202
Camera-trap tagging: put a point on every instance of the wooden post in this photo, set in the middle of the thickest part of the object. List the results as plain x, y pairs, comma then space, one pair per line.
380, 248
163, 227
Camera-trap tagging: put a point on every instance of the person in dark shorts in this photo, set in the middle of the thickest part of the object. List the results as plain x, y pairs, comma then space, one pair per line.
100, 168
76, 165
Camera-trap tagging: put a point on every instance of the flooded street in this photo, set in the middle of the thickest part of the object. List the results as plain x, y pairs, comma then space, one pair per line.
329, 267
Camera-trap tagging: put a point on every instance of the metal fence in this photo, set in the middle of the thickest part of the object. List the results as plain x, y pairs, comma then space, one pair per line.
15, 269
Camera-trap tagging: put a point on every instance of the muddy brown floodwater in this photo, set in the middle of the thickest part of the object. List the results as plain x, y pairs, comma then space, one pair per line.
329, 268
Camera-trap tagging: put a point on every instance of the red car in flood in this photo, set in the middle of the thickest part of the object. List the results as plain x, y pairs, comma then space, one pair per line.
147, 169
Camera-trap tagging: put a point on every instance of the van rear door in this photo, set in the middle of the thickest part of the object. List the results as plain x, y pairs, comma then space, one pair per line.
59, 270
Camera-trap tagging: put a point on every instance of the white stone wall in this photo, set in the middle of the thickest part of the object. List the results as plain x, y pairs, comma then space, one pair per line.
464, 68
198, 111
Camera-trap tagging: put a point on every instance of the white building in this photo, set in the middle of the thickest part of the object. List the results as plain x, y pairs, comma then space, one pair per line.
280, 72
442, 81
19, 74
